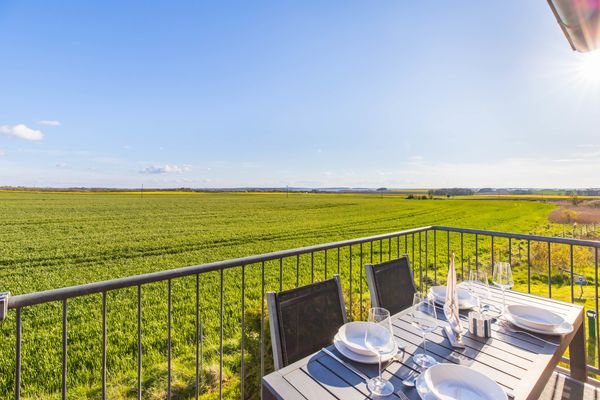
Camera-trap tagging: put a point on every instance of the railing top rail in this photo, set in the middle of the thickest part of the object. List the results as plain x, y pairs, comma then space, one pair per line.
131, 281
119, 283
521, 236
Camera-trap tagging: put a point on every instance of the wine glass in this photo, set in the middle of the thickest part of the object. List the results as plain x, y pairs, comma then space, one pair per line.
379, 339
479, 288
424, 318
503, 278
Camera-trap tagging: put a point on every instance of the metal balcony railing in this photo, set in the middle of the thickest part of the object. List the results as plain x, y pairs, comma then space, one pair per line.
549, 266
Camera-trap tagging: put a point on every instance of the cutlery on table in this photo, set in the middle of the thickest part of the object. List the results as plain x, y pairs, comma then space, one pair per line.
506, 326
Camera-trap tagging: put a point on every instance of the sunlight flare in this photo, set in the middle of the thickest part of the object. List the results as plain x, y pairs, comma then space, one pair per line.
588, 68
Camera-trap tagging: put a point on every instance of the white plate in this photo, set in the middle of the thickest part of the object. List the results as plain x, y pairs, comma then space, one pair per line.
562, 329
361, 358
535, 317
457, 382
465, 299
353, 336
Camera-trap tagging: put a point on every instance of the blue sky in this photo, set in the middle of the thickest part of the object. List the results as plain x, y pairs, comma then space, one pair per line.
337, 93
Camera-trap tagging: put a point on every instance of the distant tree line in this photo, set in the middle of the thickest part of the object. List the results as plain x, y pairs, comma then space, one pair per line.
452, 192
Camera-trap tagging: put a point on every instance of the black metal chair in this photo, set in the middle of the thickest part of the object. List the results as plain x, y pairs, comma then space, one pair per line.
391, 284
305, 319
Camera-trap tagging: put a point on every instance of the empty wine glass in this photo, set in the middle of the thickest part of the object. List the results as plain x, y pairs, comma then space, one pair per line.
424, 318
380, 340
503, 278
479, 288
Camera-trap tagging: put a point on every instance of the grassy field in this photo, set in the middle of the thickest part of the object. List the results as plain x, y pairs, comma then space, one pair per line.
52, 240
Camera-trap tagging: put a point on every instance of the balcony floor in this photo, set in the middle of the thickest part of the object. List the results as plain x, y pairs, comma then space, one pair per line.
561, 386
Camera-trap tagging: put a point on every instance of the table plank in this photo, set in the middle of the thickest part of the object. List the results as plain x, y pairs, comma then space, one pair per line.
343, 384
275, 387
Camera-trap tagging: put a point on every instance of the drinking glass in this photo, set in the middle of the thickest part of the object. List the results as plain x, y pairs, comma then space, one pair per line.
479, 288
379, 339
424, 318
503, 278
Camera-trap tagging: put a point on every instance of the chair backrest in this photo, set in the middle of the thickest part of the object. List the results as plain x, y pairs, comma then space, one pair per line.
304, 319
391, 284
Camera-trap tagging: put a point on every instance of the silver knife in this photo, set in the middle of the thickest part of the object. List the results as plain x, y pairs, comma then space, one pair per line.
350, 367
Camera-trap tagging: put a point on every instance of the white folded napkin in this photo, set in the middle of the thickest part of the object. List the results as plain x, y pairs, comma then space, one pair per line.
451, 306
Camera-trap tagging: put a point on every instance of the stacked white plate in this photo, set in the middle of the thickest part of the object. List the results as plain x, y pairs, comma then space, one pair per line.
465, 299
538, 320
457, 382
350, 342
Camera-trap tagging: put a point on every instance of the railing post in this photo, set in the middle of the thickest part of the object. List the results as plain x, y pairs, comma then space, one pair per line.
298, 267
64, 350
103, 345
426, 263
549, 271
198, 340
477, 254
350, 272
18, 356
528, 266
462, 256
571, 277
493, 251
280, 274
243, 339
169, 323
262, 323
325, 267
420, 260
361, 280
448, 246
139, 340
435, 257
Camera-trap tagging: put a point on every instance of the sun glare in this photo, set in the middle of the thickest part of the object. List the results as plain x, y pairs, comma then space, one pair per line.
588, 69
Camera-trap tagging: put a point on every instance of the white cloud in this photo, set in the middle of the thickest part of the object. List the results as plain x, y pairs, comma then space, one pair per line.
2, 152
166, 169
50, 122
61, 165
21, 131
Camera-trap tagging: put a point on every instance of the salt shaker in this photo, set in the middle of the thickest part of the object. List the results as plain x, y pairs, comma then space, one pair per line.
480, 325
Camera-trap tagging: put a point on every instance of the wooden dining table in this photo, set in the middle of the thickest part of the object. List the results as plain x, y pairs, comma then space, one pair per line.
521, 363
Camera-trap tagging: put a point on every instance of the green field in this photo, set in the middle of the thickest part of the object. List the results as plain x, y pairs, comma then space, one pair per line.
51, 240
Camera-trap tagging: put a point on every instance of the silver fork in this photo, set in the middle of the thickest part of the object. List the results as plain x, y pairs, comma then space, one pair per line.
401, 394
505, 325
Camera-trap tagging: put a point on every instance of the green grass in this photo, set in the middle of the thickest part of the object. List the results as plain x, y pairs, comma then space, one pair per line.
52, 240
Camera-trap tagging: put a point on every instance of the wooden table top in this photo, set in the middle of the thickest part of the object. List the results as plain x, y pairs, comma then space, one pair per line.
521, 364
